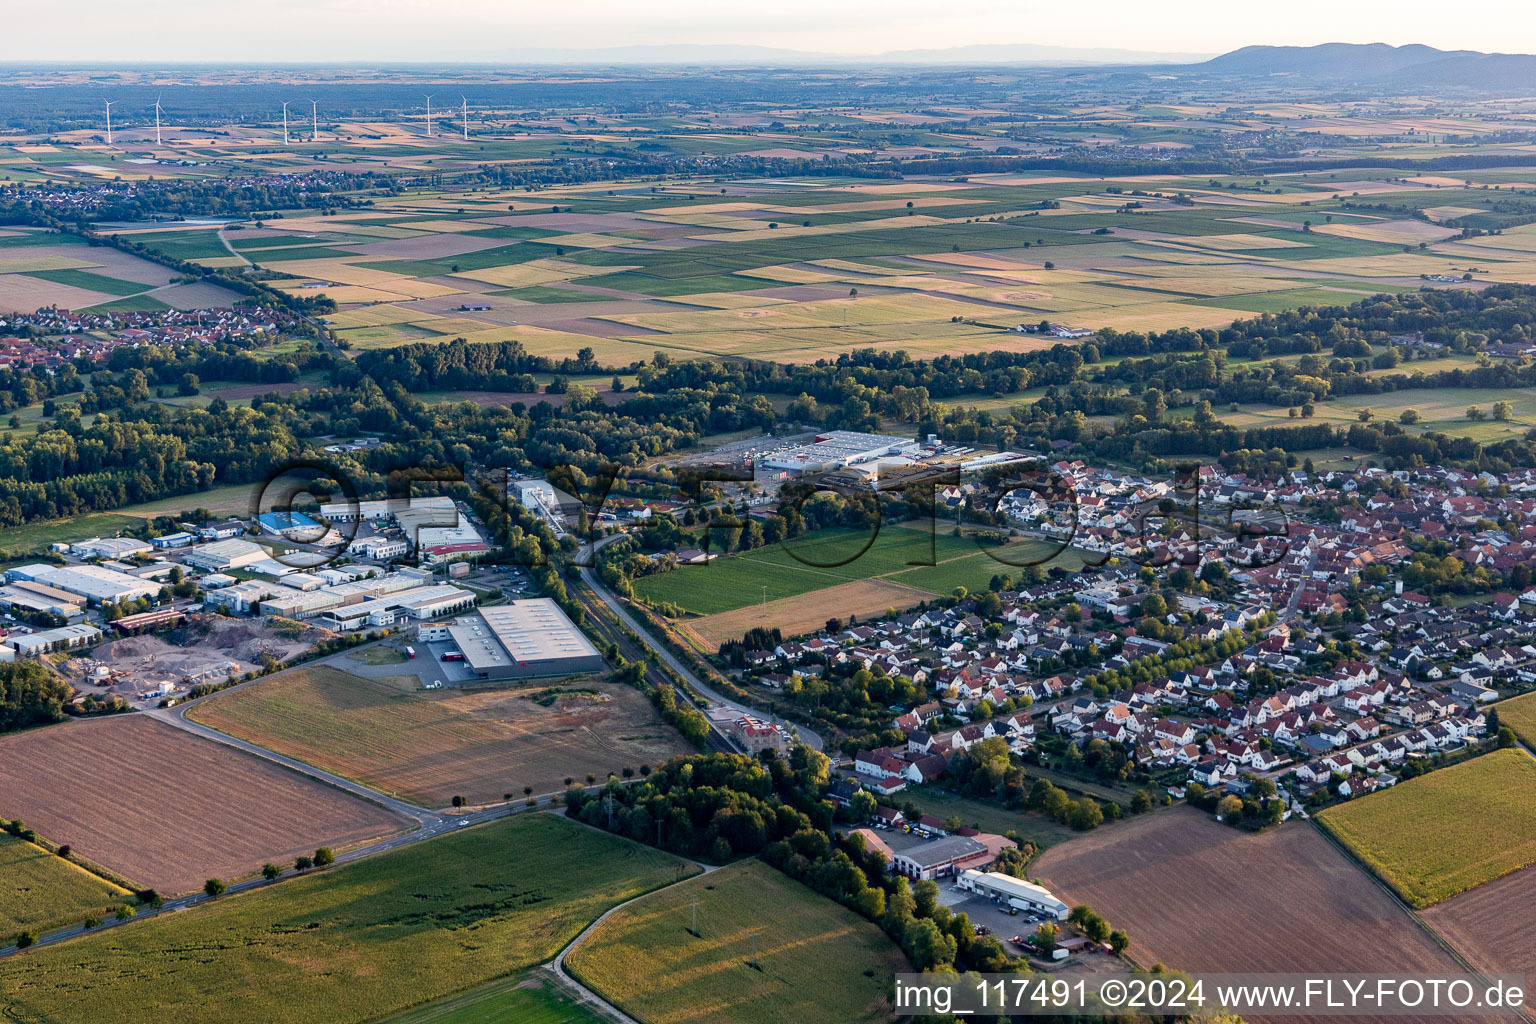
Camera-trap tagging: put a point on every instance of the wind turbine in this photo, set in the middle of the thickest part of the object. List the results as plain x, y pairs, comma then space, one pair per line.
466, 116
109, 121
429, 116
285, 124
157, 120
314, 120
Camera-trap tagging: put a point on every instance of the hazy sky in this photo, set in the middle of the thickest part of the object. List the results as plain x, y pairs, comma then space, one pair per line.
363, 30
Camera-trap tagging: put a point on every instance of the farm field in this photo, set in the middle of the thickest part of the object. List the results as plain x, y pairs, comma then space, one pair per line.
1184, 885
521, 999
801, 269
813, 954
352, 943
1519, 713
168, 810
233, 499
428, 746
832, 557
793, 616
1443, 833
40, 890
1490, 925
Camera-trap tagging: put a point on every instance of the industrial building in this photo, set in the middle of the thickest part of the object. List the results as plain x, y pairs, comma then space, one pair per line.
109, 547
295, 526
35, 645
431, 524
1014, 892
944, 857
224, 555
95, 583
834, 450
531, 637
424, 602
39, 597
387, 508
380, 548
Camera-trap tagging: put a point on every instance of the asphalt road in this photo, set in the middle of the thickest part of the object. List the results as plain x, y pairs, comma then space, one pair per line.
806, 736
422, 823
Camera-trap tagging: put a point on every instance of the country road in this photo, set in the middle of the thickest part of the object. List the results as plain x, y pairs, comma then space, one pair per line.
803, 734
428, 823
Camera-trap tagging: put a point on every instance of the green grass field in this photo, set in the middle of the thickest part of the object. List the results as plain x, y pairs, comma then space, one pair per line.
233, 499
1446, 832
351, 944
827, 558
521, 999
813, 955
40, 890
987, 815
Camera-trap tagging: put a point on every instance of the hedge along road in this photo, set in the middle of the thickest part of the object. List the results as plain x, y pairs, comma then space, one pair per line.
804, 735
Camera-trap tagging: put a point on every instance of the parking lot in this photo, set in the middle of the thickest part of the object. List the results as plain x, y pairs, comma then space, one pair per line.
430, 667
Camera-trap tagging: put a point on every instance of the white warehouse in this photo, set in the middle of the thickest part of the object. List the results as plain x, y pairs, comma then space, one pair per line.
1014, 891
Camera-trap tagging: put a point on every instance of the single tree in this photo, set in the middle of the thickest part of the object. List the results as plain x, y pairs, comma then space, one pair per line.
270, 871
214, 887
324, 858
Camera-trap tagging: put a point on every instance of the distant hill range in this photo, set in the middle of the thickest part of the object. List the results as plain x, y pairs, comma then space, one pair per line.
1399, 67
682, 53
1405, 68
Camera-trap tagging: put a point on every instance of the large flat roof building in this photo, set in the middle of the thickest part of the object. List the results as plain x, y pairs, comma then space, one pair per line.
224, 554
109, 547
92, 582
388, 508
65, 638
531, 637
1014, 891
943, 857
835, 449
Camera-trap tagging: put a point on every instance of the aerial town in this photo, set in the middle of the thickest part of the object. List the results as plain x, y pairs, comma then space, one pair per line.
699, 520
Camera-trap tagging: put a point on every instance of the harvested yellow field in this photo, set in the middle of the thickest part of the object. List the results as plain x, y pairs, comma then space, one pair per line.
790, 275
19, 293
456, 325
1519, 239
1211, 286
449, 226
977, 260
796, 615
1396, 232
587, 240
377, 316
1450, 212
26, 261
535, 272
680, 213
816, 961
342, 272
763, 232
1389, 265
1238, 242
859, 312
730, 300
1165, 252
346, 293
1443, 182
1156, 316
853, 267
